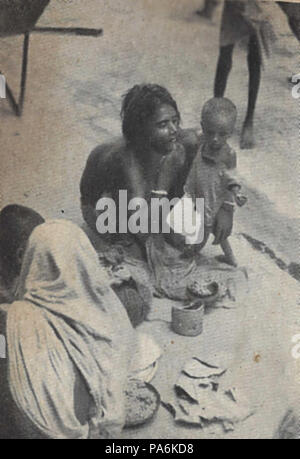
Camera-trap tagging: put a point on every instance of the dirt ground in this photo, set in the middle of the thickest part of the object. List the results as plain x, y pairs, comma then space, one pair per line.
73, 98
75, 85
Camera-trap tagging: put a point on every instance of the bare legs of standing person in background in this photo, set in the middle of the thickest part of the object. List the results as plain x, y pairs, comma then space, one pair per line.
254, 67
223, 69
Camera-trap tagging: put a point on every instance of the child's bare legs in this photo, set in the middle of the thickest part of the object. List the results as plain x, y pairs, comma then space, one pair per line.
191, 250
228, 256
254, 67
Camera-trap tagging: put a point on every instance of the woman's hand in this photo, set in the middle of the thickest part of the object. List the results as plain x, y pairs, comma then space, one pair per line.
223, 226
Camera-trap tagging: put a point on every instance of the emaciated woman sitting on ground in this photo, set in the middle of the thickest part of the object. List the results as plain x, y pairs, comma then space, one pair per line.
151, 133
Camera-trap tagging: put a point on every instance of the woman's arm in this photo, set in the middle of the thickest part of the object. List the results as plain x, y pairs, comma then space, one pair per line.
102, 176
171, 167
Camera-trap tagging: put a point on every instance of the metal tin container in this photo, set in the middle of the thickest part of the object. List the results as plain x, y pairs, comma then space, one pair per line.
188, 320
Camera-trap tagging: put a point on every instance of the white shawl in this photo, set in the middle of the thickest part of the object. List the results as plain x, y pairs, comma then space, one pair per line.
67, 320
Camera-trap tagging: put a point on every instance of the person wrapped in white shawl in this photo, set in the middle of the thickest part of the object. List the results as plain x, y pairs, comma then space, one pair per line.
69, 339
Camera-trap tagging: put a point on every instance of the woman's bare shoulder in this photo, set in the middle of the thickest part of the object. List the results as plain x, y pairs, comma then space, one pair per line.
108, 151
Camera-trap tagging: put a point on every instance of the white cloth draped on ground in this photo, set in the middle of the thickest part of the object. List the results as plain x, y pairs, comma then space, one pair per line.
67, 321
172, 274
144, 362
202, 397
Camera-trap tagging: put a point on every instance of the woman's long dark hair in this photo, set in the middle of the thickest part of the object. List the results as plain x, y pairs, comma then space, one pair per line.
139, 105
16, 225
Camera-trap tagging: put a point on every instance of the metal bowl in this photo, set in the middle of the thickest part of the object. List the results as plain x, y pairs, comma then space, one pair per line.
213, 287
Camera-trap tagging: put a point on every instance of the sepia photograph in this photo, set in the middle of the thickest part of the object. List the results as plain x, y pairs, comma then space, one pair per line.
149, 221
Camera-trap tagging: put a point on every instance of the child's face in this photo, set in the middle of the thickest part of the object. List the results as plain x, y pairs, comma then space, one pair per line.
162, 129
217, 130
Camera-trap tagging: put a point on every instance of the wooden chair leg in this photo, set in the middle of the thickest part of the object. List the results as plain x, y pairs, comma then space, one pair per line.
18, 106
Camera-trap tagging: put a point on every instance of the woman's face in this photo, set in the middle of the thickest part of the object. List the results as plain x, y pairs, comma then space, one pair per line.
162, 129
